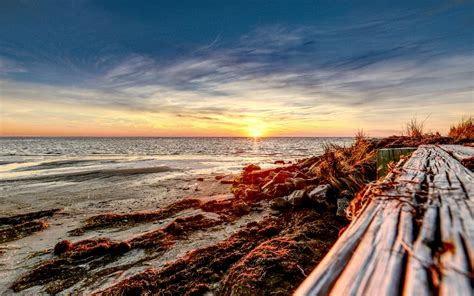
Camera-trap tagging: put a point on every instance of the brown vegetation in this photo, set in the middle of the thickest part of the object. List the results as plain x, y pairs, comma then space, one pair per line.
404, 141
77, 261
229, 209
463, 131
279, 250
19, 226
17, 219
414, 129
21, 230
260, 185
124, 220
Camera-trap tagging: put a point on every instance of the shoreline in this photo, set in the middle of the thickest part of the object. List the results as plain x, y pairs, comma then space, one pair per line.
213, 189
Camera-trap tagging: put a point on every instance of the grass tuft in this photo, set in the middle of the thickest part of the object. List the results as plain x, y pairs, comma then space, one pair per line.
464, 130
414, 129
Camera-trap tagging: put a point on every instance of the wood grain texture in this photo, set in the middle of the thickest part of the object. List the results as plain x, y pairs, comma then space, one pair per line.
459, 152
414, 236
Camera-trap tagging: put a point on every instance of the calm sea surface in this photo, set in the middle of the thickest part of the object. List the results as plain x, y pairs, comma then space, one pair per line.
26, 158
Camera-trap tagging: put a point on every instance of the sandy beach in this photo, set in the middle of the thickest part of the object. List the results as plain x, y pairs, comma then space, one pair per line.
78, 203
87, 186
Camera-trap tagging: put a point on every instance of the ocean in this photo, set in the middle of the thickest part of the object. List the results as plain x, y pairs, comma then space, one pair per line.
80, 159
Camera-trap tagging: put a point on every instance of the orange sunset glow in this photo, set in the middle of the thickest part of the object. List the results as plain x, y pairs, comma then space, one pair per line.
24, 115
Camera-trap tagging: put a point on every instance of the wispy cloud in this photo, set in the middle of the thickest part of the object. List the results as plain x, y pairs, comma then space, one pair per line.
8, 67
361, 75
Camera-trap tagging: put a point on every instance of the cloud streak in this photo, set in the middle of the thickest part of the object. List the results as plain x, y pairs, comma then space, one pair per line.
361, 75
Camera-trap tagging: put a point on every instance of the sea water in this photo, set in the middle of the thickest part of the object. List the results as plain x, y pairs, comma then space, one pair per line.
42, 158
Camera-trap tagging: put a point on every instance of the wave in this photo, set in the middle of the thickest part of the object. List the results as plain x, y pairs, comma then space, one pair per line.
61, 164
5, 162
93, 174
53, 147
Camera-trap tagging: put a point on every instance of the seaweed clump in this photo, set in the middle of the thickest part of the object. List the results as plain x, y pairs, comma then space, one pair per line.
18, 219
278, 265
78, 261
21, 230
19, 226
69, 267
296, 239
130, 219
228, 209
272, 266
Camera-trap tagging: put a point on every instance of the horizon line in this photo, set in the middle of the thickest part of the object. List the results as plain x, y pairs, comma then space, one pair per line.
263, 137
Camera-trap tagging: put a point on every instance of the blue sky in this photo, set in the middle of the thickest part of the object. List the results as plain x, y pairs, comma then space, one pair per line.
226, 67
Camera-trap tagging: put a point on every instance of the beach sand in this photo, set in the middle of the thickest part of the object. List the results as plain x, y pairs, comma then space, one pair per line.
80, 200
201, 242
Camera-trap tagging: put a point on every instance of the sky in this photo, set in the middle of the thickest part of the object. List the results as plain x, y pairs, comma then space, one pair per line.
233, 68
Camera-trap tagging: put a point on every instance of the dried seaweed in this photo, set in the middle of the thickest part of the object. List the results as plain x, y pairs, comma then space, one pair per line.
12, 220
15, 232
215, 267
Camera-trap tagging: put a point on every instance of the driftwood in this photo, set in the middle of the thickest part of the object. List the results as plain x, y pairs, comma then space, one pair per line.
459, 152
413, 236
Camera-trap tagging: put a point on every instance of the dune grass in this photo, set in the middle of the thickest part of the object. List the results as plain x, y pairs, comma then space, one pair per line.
464, 130
414, 129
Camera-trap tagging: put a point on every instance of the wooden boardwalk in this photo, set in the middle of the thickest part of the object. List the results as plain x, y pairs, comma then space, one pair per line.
414, 233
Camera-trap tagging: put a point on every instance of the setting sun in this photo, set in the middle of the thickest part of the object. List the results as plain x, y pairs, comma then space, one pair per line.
255, 133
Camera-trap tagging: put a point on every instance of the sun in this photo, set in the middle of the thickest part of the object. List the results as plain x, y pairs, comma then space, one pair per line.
255, 133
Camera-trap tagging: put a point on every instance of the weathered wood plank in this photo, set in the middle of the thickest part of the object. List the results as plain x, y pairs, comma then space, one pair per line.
418, 272
415, 236
383, 273
450, 181
354, 247
459, 152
